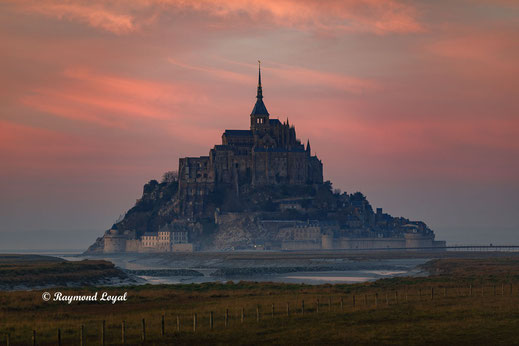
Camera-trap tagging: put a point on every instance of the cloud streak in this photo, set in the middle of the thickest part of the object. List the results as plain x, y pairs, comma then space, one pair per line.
375, 16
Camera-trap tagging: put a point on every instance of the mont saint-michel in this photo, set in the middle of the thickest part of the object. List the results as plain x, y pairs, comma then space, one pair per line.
261, 188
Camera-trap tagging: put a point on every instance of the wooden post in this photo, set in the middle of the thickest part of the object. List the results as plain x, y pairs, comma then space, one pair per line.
470, 290
302, 307
226, 318
211, 320
162, 331
7, 339
482, 291
494, 290
242, 315
272, 310
420, 293
257, 313
406, 295
317, 306
178, 323
432, 293
288, 309
342, 304
143, 329
194, 322
82, 335
511, 289
123, 332
59, 337
353, 300
502, 289
330, 303
365, 299
33, 338
396, 297
103, 326
376, 300
387, 299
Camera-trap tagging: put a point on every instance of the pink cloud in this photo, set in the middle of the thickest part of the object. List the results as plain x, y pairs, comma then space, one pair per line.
108, 100
95, 14
291, 75
497, 49
376, 16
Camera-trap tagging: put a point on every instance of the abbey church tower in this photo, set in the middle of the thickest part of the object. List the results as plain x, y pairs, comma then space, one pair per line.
269, 153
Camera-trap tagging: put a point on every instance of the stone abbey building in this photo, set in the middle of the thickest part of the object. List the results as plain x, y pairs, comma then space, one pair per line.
268, 153
260, 188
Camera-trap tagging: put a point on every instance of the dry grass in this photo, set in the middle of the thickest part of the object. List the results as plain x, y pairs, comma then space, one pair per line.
412, 316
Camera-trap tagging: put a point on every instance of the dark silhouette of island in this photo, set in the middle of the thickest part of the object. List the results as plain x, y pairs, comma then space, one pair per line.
260, 188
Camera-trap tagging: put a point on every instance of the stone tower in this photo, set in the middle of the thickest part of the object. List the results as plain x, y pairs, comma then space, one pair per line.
259, 117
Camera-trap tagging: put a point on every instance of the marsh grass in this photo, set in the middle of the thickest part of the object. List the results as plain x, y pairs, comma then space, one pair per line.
450, 316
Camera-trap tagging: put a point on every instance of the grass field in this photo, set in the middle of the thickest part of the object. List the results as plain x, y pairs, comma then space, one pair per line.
466, 301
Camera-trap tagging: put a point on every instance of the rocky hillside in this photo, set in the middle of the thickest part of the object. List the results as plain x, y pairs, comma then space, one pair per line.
212, 228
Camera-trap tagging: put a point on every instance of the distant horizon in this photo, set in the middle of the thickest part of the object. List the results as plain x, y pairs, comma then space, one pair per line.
451, 241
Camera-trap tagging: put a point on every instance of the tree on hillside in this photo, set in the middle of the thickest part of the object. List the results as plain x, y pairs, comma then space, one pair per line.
170, 177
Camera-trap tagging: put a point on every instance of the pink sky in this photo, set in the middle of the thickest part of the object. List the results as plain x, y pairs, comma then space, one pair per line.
413, 103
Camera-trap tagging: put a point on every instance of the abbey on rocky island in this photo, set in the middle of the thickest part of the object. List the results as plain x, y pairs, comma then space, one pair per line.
259, 189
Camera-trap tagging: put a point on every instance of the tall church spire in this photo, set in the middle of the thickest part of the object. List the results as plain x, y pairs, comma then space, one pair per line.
259, 95
259, 107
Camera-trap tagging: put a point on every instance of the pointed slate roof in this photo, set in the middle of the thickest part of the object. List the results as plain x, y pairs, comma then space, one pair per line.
259, 107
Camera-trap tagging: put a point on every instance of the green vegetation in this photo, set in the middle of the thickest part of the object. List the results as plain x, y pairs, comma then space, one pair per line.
33, 270
468, 301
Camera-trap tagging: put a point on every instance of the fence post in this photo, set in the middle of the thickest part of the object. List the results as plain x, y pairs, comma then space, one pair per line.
396, 297
302, 307
123, 332
354, 301
33, 338
211, 320
242, 315
162, 331
288, 309
432, 293
365, 299
406, 294
376, 300
387, 299
194, 322
103, 326
494, 290
470, 290
178, 323
257, 313
59, 337
272, 310
143, 329
420, 293
7, 339
226, 318
342, 304
82, 335
502, 289
317, 306
330, 303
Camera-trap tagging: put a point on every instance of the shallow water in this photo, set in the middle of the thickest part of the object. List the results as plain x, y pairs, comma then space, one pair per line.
310, 278
356, 271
